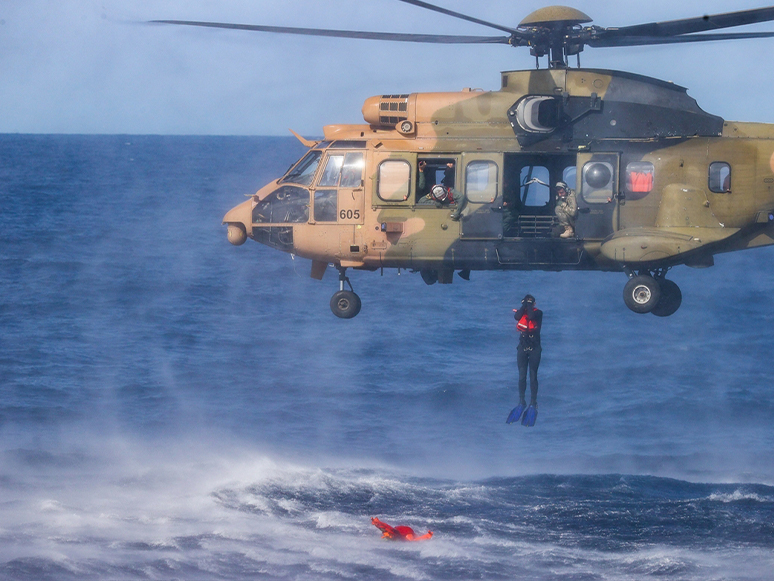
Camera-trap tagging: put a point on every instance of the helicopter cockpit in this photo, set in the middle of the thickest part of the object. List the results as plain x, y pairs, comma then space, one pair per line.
290, 202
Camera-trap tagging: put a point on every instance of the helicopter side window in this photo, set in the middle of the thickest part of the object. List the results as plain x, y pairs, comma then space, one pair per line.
720, 177
597, 183
348, 145
348, 167
394, 181
535, 188
330, 175
435, 171
288, 204
303, 172
570, 176
639, 179
326, 205
352, 171
481, 179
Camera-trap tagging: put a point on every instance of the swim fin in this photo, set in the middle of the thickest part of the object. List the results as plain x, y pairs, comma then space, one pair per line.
530, 416
515, 414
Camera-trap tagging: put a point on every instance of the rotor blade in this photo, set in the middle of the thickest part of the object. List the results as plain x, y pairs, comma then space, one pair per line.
459, 15
428, 38
689, 25
651, 40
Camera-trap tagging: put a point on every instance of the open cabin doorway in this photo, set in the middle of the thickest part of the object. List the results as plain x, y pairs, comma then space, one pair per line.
529, 198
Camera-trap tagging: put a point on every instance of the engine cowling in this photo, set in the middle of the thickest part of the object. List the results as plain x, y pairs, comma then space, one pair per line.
403, 112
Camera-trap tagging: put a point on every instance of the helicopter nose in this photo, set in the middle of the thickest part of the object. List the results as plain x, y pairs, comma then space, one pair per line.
236, 234
236, 220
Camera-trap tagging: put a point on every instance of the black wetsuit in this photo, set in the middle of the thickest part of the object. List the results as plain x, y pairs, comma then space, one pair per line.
528, 354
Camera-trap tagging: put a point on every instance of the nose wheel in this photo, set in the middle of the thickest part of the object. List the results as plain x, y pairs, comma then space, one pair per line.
652, 293
345, 304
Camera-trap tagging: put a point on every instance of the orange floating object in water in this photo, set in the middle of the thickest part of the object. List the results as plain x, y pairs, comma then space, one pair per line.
399, 533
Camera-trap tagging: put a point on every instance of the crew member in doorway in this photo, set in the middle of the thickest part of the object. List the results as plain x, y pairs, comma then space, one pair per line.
566, 209
442, 194
528, 322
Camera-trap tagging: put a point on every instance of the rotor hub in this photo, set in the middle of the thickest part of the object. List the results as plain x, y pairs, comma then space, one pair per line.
559, 16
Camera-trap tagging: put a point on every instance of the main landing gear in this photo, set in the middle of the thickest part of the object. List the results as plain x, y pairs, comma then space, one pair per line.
345, 304
651, 292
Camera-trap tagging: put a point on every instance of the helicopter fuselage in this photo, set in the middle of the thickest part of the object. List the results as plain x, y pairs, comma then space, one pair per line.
658, 182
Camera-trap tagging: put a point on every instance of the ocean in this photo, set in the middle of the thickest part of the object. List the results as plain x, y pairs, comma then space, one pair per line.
173, 407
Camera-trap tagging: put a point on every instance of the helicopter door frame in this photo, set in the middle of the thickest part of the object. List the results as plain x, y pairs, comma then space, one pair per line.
482, 175
598, 194
529, 188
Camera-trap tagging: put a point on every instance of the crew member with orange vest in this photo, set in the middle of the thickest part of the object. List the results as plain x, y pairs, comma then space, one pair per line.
528, 322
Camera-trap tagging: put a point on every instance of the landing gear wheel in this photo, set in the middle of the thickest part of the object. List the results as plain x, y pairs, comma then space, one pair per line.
345, 304
642, 293
670, 300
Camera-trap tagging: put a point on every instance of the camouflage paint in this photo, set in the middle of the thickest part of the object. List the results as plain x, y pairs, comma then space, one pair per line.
679, 221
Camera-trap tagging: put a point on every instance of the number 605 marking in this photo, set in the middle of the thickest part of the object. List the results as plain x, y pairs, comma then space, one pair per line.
349, 215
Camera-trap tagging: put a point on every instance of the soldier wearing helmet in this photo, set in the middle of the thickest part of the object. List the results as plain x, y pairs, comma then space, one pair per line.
443, 194
566, 209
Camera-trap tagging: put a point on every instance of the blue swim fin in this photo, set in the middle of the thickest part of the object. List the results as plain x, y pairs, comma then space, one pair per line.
530, 416
515, 414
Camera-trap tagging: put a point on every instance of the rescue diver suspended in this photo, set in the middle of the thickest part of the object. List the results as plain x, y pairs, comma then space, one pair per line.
529, 321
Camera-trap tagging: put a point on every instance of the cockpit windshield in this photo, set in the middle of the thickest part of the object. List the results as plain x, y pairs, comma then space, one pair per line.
303, 172
286, 205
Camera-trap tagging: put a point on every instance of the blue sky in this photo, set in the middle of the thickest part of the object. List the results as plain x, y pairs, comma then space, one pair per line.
92, 66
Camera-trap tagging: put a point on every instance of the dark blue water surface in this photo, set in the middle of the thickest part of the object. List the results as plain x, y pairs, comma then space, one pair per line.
173, 407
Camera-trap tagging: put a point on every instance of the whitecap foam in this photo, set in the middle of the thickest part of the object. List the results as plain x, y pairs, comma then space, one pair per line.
738, 496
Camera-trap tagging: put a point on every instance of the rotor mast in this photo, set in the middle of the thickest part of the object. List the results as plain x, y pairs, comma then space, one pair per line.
550, 32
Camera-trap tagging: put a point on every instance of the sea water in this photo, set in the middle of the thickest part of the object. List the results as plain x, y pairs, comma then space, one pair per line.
173, 407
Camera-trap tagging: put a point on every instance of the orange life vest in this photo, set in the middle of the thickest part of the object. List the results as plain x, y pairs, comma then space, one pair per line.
525, 324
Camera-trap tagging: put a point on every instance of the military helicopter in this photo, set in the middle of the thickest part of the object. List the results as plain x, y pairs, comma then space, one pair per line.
463, 181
